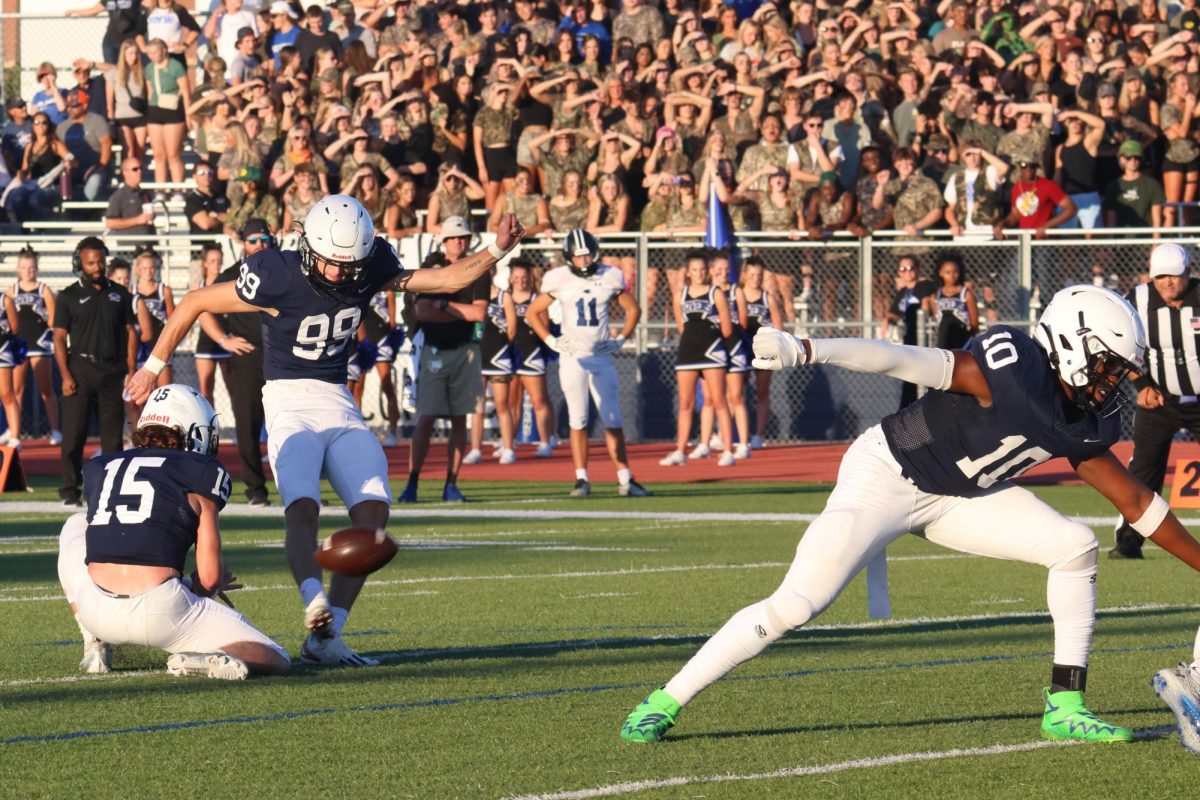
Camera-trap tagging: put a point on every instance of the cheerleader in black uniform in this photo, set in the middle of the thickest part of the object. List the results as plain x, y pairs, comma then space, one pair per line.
703, 320
499, 366
737, 347
12, 354
152, 304
761, 310
34, 301
209, 355
385, 336
531, 358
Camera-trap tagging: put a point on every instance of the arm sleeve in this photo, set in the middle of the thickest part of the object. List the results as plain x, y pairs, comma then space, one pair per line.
926, 366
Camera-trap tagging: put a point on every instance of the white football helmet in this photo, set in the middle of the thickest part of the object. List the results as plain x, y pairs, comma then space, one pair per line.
337, 229
1089, 333
184, 409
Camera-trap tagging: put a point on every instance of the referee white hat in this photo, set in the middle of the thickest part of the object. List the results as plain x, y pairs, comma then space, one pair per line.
1168, 260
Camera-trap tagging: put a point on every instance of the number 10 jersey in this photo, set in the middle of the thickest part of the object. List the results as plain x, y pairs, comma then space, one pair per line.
311, 335
949, 444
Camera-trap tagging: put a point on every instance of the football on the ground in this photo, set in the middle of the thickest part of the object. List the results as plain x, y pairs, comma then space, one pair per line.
356, 551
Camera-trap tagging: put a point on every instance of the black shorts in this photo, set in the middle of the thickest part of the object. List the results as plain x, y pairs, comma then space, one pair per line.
164, 116
1178, 166
132, 122
501, 163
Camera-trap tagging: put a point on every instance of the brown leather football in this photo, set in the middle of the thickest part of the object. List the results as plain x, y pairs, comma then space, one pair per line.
356, 551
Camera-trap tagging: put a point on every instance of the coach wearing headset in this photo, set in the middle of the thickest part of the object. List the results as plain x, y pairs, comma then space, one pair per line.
96, 350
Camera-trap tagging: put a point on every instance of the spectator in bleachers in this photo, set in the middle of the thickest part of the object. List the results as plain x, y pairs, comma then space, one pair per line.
1035, 201
830, 209
245, 62
87, 136
130, 209
365, 186
313, 37
492, 133
361, 155
1181, 165
169, 97
401, 217
569, 207
49, 99
94, 87
173, 24
1076, 167
299, 149
126, 101
16, 133
972, 195
254, 202
1134, 200
346, 26
205, 210
45, 158
240, 152
223, 27
452, 198
284, 31
529, 207
608, 205
301, 196
125, 21
915, 200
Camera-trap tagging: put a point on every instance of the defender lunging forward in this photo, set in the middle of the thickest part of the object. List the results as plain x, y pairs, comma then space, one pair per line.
941, 468
312, 302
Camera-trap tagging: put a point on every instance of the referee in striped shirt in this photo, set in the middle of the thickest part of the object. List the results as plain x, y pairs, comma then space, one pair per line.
1169, 390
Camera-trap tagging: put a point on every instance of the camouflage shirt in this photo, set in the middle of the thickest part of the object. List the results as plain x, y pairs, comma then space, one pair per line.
742, 131
1028, 146
653, 215
759, 156
264, 207
565, 217
554, 166
775, 218
988, 136
680, 217
524, 206
643, 27
1183, 149
864, 193
496, 127
456, 205
912, 199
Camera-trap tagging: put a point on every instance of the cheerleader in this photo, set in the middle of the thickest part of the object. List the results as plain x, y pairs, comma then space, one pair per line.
12, 355
379, 327
499, 366
761, 310
34, 302
737, 347
209, 355
703, 320
531, 357
152, 304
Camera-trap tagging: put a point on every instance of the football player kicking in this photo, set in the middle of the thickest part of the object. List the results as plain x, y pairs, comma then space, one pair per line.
942, 468
585, 288
312, 302
121, 563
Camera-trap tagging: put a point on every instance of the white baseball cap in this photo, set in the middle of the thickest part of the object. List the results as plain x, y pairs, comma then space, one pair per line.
1168, 260
282, 7
456, 226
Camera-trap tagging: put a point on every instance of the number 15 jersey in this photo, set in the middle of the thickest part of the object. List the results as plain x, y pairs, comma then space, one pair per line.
309, 337
585, 303
949, 444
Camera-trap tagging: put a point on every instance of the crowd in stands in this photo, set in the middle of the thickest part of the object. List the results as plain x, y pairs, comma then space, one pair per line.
807, 117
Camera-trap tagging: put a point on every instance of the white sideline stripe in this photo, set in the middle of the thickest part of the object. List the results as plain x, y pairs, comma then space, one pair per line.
898, 624
543, 576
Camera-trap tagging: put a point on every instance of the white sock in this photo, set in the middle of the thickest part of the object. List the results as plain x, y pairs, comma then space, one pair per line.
88, 636
745, 635
624, 476
310, 588
581, 475
339, 619
1071, 596
1196, 653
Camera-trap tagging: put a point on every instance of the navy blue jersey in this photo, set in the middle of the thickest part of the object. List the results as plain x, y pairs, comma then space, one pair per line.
309, 336
137, 504
949, 444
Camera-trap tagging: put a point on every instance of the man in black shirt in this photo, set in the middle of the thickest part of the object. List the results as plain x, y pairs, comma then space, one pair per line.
902, 313
449, 378
130, 211
241, 335
313, 37
96, 350
204, 210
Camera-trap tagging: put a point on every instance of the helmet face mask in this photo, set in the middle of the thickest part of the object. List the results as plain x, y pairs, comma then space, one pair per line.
580, 242
1094, 339
338, 230
184, 409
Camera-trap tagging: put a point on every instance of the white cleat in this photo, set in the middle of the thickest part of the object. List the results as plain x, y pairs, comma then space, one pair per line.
14, 443
742, 451
55, 438
218, 666
726, 459
333, 652
1179, 688
389, 440
318, 619
544, 451
700, 451
473, 457
675, 458
97, 658
756, 442
507, 456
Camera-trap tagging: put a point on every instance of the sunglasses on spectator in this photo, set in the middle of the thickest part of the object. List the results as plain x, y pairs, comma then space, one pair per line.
40, 122
202, 173
904, 268
827, 28
262, 239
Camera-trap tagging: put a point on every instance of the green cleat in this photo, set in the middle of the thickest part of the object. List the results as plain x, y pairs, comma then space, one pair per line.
1066, 717
650, 720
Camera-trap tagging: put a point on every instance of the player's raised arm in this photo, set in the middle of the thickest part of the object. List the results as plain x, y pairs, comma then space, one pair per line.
465, 271
220, 298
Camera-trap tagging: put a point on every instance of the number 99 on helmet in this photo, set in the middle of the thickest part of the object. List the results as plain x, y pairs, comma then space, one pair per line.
581, 243
338, 230
184, 409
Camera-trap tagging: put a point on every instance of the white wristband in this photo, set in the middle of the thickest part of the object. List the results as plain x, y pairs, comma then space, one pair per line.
1152, 517
496, 252
154, 365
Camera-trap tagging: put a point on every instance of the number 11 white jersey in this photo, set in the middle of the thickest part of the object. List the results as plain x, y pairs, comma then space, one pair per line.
585, 303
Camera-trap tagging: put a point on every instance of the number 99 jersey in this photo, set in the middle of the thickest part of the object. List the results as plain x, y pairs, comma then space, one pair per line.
137, 504
949, 444
585, 303
312, 334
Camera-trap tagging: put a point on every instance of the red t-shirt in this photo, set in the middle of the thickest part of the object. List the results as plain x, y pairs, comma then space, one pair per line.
1035, 202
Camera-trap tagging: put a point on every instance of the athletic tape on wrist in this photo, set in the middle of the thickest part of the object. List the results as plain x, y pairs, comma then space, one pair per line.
1152, 517
154, 364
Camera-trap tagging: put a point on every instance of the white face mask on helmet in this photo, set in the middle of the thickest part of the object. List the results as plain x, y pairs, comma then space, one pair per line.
1090, 333
185, 410
338, 230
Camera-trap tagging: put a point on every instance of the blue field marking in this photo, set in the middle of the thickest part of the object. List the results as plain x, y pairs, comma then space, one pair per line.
545, 693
